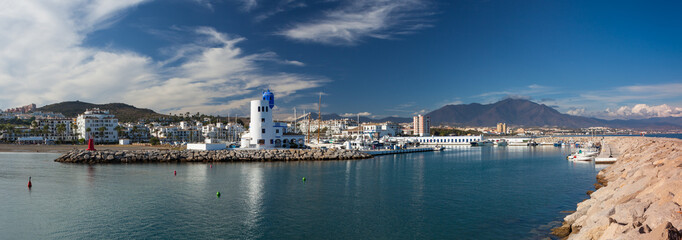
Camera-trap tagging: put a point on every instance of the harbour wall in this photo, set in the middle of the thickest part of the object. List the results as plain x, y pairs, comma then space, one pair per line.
638, 197
159, 156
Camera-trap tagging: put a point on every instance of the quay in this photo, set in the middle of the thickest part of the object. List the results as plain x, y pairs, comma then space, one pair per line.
398, 151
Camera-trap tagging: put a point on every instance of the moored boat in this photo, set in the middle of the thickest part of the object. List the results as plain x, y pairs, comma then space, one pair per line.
605, 160
482, 143
579, 157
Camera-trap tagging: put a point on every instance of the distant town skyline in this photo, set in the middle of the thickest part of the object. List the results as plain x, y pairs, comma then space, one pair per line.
377, 58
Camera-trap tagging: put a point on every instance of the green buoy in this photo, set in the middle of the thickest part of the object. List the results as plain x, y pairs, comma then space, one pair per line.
217, 194
303, 179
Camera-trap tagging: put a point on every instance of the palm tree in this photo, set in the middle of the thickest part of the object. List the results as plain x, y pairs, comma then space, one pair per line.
101, 132
61, 128
46, 130
134, 132
74, 131
119, 130
88, 130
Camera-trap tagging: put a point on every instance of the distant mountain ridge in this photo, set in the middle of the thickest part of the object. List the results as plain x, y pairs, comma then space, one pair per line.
521, 112
122, 111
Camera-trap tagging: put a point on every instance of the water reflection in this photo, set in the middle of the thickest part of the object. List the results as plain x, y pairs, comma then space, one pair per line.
253, 179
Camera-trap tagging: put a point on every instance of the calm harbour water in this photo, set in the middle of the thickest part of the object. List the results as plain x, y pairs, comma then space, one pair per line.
464, 193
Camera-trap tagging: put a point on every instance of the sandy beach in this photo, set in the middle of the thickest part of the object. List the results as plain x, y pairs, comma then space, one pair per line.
64, 148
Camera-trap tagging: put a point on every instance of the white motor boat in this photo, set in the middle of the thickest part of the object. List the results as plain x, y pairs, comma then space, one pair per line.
587, 152
579, 157
605, 160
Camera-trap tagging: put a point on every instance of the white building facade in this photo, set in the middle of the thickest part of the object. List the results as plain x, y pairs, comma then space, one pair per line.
439, 140
98, 125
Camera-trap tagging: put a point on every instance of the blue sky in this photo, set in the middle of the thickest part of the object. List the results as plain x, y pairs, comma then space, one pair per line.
609, 59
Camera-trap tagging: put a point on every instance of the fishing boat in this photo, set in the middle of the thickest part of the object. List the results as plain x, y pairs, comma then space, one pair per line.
502, 143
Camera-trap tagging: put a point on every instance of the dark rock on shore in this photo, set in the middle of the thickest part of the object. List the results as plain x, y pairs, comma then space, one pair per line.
154, 156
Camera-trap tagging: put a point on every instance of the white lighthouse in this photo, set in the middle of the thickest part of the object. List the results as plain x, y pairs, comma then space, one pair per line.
263, 132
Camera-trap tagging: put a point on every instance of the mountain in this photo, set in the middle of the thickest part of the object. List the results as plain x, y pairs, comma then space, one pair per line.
331, 116
123, 112
517, 112
521, 112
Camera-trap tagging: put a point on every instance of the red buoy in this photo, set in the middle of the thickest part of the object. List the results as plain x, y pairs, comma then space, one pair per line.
175, 172
211, 165
91, 145
29, 182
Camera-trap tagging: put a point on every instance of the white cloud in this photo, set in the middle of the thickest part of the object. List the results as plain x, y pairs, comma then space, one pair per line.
248, 5
640, 111
359, 19
576, 112
44, 61
362, 114
294, 62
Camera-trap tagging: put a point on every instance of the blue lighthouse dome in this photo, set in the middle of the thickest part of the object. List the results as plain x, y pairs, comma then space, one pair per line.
267, 95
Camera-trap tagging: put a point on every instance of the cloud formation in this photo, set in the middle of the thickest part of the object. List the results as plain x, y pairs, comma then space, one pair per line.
360, 19
362, 114
44, 61
640, 111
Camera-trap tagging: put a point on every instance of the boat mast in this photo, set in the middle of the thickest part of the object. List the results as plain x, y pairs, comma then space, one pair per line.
308, 135
319, 118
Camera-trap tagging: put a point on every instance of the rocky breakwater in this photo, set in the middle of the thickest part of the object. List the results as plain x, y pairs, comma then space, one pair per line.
638, 197
152, 156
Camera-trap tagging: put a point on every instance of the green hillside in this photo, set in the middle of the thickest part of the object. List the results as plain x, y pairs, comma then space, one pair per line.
124, 112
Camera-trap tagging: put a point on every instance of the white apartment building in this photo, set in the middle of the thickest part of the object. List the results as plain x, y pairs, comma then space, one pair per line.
98, 125
56, 129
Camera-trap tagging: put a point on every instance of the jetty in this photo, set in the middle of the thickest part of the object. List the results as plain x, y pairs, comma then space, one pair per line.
638, 197
398, 151
165, 156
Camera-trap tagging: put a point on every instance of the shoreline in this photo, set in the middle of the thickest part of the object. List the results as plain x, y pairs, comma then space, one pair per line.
637, 197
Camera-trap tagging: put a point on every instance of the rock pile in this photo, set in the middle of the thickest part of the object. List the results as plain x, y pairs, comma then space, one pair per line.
638, 197
150, 156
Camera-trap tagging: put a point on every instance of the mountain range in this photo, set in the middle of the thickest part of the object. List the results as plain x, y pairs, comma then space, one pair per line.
513, 112
520, 112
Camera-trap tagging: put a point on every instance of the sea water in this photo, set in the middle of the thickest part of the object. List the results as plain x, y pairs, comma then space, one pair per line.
462, 193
